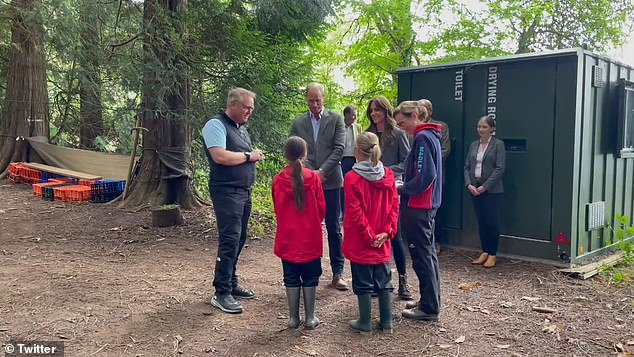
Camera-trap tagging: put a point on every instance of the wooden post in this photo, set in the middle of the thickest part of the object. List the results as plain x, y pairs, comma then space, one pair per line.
136, 129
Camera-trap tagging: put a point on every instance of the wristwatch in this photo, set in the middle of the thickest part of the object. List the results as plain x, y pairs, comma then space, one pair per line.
248, 156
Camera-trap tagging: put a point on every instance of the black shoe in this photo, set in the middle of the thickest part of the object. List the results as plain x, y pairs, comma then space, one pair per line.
226, 303
242, 293
403, 288
416, 314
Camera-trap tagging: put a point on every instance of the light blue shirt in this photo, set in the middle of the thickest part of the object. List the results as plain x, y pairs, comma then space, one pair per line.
215, 134
315, 123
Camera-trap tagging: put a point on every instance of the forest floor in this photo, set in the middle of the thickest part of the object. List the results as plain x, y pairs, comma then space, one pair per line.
105, 282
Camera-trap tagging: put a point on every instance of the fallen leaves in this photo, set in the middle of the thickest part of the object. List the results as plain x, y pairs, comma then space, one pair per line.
555, 328
460, 339
469, 287
502, 347
478, 309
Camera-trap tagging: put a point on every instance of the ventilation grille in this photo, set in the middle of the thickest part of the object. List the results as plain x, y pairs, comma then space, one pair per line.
597, 76
595, 215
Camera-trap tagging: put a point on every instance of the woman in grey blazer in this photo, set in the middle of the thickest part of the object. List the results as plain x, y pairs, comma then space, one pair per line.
395, 147
483, 170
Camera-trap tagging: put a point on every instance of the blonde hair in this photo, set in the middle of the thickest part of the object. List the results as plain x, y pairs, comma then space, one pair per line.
238, 94
368, 145
410, 107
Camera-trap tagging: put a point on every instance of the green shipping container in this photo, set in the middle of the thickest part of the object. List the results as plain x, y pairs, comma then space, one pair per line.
567, 119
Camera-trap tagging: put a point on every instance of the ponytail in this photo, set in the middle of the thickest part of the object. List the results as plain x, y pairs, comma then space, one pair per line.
298, 184
368, 145
294, 152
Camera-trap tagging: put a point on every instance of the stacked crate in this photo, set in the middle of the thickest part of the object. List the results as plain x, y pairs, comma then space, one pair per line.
106, 190
21, 173
55, 187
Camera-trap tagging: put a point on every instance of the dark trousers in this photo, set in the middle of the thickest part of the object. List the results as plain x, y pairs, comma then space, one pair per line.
301, 274
367, 279
486, 209
398, 250
333, 227
232, 207
417, 226
346, 165
440, 217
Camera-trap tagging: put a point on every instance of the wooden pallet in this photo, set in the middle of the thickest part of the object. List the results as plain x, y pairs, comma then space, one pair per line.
592, 269
59, 171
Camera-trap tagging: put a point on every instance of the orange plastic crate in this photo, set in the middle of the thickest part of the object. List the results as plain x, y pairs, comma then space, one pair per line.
75, 193
37, 187
87, 182
29, 175
15, 171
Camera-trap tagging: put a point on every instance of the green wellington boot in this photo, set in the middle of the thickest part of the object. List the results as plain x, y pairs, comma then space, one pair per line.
292, 295
363, 324
385, 311
309, 308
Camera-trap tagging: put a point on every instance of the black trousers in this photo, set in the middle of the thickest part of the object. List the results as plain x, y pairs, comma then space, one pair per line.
232, 207
367, 279
301, 274
333, 227
440, 217
346, 166
486, 210
417, 227
398, 250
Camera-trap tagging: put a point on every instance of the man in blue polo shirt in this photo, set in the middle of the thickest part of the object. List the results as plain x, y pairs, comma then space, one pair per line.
231, 177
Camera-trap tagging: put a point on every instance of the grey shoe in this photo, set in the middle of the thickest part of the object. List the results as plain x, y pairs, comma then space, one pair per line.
227, 304
292, 295
309, 308
411, 305
416, 314
338, 282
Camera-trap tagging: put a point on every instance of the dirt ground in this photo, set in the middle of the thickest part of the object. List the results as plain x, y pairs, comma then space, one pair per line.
108, 284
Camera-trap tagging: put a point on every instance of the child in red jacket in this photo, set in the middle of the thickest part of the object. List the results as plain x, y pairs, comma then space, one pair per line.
300, 208
370, 219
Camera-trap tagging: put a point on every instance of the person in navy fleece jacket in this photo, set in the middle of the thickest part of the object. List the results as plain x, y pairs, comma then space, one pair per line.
420, 198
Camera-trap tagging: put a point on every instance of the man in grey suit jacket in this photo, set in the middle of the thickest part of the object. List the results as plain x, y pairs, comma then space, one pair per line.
324, 133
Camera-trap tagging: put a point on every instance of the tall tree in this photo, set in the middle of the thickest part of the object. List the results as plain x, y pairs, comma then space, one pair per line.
26, 108
90, 110
382, 39
535, 25
164, 176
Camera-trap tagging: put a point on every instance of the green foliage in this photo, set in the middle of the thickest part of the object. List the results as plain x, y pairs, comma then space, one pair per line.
622, 233
293, 19
555, 24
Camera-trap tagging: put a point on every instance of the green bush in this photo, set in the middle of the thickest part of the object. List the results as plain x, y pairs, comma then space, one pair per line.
621, 233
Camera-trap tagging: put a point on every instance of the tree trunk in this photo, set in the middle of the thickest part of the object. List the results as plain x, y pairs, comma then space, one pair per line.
166, 98
26, 109
90, 110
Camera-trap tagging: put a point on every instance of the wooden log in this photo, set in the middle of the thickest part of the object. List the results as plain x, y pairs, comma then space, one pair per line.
167, 216
546, 310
